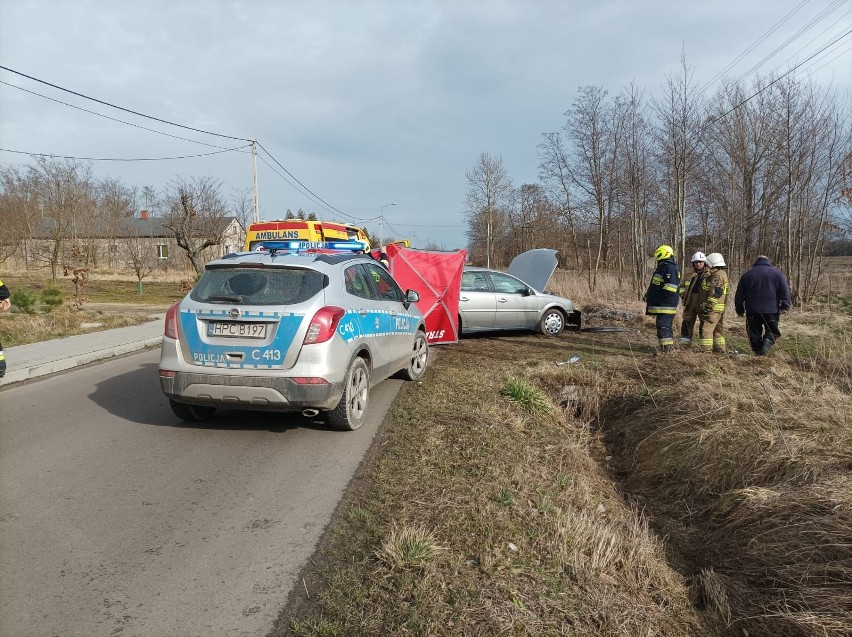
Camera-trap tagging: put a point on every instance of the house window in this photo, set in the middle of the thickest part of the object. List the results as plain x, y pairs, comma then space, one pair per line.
162, 251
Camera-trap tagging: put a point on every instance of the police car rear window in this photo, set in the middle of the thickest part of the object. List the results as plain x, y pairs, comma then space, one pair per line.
258, 286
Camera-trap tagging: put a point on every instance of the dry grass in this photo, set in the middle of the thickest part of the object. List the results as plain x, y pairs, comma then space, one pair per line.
744, 465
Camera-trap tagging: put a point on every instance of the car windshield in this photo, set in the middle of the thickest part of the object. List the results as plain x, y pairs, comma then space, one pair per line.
258, 286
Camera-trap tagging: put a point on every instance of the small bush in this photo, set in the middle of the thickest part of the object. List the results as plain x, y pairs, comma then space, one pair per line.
52, 297
24, 301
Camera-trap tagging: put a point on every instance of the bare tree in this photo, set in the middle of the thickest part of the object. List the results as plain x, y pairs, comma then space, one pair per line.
195, 211
115, 202
595, 128
17, 205
487, 201
678, 138
555, 173
242, 205
638, 184
65, 194
136, 249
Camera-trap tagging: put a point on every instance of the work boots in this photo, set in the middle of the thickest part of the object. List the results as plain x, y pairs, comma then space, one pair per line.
765, 346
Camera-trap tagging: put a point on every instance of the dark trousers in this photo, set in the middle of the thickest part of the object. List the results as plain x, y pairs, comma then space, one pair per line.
762, 326
665, 335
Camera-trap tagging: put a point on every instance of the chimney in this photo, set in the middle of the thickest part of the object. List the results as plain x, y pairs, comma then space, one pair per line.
143, 214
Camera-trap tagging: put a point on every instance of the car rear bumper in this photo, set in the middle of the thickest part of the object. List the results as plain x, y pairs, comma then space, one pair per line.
249, 392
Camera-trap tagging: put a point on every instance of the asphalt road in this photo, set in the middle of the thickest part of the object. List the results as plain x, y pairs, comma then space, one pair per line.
118, 519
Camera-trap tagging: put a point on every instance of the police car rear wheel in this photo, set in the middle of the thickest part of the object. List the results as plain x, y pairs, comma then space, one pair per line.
191, 413
351, 411
552, 323
419, 355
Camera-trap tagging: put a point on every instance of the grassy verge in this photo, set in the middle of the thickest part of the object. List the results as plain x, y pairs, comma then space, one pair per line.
624, 494
20, 329
104, 288
107, 302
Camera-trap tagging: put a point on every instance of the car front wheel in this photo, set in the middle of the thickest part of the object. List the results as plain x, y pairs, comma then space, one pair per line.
351, 411
417, 359
552, 323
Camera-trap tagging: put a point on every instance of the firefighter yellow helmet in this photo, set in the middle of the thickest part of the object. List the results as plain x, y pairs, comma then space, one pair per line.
663, 252
715, 260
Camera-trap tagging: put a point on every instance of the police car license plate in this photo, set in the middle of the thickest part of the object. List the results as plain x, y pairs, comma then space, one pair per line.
237, 330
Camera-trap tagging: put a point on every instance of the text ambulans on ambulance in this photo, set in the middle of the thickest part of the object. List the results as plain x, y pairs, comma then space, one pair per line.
303, 230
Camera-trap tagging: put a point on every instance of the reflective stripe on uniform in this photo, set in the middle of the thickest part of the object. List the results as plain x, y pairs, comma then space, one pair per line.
655, 309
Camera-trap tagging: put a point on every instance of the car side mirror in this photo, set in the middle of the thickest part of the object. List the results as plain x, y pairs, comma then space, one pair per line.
411, 296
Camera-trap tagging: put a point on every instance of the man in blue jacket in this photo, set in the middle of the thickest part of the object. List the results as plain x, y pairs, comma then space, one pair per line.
762, 294
662, 296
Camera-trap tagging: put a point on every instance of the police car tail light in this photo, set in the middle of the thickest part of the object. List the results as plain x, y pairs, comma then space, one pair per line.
324, 324
310, 380
171, 321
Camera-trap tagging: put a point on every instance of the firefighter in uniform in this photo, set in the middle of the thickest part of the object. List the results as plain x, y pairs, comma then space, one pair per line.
662, 296
714, 288
690, 296
4, 305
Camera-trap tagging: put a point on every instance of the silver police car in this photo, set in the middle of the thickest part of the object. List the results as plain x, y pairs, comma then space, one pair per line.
278, 331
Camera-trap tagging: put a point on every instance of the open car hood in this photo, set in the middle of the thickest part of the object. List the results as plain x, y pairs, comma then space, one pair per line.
534, 267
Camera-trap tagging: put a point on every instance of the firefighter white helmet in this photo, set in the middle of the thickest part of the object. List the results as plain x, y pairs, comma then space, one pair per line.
715, 260
698, 256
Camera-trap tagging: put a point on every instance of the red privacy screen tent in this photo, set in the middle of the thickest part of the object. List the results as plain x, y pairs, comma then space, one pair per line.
437, 277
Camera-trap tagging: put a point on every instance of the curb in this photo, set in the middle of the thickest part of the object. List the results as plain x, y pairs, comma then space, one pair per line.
17, 375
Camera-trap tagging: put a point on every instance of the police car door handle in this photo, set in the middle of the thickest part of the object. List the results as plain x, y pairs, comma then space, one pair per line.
463, 298
502, 299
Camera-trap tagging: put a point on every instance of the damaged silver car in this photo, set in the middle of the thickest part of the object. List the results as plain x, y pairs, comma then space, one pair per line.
515, 300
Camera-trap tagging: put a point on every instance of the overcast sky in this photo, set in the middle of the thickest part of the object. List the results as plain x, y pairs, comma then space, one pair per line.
367, 103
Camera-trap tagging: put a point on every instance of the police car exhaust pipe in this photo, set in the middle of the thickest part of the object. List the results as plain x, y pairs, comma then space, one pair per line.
310, 413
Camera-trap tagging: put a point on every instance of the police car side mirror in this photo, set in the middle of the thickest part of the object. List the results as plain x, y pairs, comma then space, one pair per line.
411, 296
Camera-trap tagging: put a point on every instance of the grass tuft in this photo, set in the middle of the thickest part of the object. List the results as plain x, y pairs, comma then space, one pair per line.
408, 548
528, 397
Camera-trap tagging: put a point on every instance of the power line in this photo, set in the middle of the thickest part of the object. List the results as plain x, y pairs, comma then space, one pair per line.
53, 155
754, 44
842, 53
806, 27
121, 108
777, 79
306, 189
114, 119
291, 184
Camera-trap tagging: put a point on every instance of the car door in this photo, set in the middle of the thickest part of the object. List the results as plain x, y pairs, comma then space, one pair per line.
367, 316
401, 323
477, 301
517, 304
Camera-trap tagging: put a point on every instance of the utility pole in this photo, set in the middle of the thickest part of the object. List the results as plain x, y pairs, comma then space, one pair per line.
254, 179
